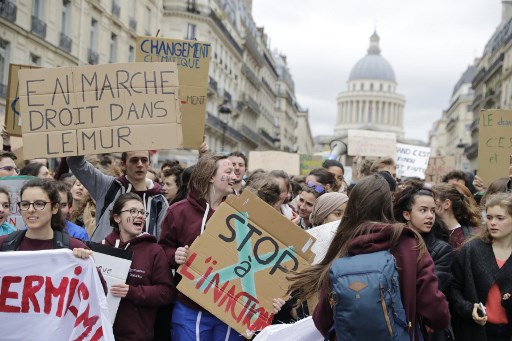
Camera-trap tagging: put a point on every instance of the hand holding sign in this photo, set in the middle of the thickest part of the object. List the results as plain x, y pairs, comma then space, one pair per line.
119, 290
181, 255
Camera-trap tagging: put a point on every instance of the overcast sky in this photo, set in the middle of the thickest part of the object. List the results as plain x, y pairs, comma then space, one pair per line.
428, 43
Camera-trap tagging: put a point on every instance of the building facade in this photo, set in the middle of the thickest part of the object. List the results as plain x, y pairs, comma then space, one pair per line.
370, 101
244, 109
452, 134
492, 84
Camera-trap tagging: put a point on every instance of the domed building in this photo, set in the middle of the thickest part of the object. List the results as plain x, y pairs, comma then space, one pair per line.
371, 101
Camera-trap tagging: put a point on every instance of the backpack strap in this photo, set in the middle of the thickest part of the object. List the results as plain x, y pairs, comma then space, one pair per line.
330, 333
13, 240
110, 196
60, 240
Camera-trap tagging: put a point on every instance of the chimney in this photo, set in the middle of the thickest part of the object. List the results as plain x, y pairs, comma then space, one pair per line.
506, 10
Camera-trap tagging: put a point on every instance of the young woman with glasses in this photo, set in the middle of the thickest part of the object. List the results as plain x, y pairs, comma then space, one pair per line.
40, 210
149, 284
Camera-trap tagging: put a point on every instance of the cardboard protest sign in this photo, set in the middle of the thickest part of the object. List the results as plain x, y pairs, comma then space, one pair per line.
439, 166
193, 60
371, 143
114, 265
99, 109
494, 144
240, 262
13, 185
271, 160
12, 107
309, 162
323, 235
411, 160
52, 295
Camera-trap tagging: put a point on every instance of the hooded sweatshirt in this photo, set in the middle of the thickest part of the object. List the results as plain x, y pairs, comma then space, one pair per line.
181, 226
98, 185
151, 286
418, 284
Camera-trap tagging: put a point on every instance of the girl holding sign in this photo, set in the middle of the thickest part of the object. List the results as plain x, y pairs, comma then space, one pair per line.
149, 284
211, 181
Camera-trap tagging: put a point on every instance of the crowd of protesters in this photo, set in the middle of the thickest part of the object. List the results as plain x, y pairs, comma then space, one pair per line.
452, 241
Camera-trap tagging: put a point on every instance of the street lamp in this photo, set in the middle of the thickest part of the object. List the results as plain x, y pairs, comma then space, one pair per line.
225, 111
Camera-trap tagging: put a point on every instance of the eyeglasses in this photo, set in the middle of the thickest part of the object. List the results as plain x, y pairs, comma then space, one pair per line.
10, 169
135, 212
318, 188
38, 205
135, 160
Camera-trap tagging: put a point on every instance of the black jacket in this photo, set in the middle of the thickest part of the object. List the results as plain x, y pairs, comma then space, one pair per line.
474, 272
442, 255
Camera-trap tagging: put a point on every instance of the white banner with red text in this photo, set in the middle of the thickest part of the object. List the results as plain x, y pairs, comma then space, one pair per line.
51, 295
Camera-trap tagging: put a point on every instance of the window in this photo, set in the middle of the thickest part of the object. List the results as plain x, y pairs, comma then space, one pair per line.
381, 87
113, 48
34, 60
4, 66
131, 54
371, 86
37, 8
362, 86
147, 18
93, 36
65, 17
191, 31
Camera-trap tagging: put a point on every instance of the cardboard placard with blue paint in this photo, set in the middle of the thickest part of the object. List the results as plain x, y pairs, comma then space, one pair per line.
193, 60
12, 106
13, 185
240, 262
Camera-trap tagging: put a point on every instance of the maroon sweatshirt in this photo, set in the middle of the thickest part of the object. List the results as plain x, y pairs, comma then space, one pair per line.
151, 286
181, 226
418, 284
28, 244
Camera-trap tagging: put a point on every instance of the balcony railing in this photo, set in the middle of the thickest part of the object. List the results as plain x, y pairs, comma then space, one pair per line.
8, 10
3, 90
65, 42
252, 47
224, 30
475, 125
92, 57
116, 10
212, 83
217, 123
253, 136
251, 76
251, 103
471, 151
38, 27
132, 23
264, 135
227, 96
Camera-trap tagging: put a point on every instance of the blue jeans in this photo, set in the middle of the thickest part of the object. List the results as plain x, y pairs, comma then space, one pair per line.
193, 325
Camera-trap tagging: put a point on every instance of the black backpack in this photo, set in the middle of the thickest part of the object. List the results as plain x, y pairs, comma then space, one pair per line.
13, 240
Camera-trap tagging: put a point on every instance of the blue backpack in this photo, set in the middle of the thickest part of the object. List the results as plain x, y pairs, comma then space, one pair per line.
365, 298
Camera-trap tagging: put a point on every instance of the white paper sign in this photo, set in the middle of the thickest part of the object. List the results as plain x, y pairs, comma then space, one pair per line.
324, 235
52, 295
302, 330
411, 161
115, 271
13, 185
371, 143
